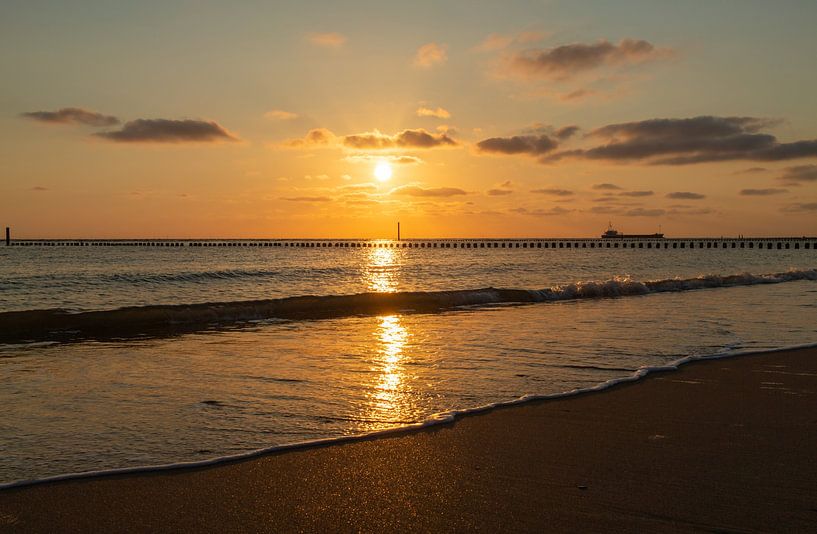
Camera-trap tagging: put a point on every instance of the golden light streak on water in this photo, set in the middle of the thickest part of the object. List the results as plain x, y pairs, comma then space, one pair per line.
382, 269
390, 400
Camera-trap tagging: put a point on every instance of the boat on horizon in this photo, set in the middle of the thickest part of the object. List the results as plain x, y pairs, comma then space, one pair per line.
612, 233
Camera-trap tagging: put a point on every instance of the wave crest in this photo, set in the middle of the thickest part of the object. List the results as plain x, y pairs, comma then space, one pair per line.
56, 324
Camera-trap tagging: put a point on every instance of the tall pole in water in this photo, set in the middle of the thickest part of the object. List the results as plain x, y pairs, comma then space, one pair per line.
8, 236
398, 230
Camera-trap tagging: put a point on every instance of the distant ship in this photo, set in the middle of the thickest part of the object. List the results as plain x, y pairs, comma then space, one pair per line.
615, 234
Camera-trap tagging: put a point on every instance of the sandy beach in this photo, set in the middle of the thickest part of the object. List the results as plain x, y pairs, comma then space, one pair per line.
726, 445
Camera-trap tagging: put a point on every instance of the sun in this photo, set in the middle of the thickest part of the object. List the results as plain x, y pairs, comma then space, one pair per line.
382, 171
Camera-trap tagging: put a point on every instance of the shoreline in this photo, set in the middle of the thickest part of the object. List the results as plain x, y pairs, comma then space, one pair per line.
441, 418
23, 505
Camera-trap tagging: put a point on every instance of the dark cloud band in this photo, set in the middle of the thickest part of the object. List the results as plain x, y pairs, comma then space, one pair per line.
519, 144
72, 116
168, 131
670, 142
687, 141
567, 60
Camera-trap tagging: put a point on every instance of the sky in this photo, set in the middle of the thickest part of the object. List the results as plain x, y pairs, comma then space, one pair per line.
457, 118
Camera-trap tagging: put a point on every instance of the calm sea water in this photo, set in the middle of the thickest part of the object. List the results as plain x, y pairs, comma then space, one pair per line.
92, 404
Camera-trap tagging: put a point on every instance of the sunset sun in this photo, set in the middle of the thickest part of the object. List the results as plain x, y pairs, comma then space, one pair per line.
382, 171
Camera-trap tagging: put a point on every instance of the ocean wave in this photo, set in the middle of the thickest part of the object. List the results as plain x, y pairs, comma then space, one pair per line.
172, 277
192, 276
56, 324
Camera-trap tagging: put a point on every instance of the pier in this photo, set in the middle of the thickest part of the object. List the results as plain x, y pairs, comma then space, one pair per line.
689, 243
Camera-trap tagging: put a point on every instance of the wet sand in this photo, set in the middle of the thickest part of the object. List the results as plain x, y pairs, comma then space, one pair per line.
719, 445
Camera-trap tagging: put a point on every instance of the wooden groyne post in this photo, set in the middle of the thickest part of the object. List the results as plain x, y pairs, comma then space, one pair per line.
8, 236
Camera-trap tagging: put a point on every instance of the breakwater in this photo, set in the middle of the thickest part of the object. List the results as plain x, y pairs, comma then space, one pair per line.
765, 243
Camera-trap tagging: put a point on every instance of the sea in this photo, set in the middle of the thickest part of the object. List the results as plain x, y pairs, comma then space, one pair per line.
130, 357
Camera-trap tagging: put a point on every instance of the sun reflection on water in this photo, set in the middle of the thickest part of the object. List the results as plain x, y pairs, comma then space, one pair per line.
382, 269
390, 396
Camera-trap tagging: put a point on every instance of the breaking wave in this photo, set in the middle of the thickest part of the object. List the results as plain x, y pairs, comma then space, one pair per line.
56, 324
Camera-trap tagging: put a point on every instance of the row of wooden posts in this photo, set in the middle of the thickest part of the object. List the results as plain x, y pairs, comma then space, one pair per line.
691, 243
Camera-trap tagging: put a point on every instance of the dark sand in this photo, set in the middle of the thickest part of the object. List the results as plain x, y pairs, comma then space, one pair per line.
720, 445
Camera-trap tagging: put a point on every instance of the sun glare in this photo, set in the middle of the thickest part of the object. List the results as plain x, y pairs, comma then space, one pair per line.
382, 171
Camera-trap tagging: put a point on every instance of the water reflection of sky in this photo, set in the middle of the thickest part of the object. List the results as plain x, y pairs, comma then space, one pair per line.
382, 269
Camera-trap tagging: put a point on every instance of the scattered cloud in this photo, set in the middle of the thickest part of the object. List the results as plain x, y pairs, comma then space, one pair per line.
685, 195
807, 207
418, 138
799, 174
541, 212
430, 55
566, 132
576, 95
168, 131
316, 137
307, 199
375, 140
281, 115
762, 192
391, 158
690, 211
498, 192
496, 41
553, 192
563, 62
687, 141
644, 212
327, 39
72, 116
358, 188
606, 187
438, 113
532, 145
752, 170
415, 191
606, 210
636, 193
39, 188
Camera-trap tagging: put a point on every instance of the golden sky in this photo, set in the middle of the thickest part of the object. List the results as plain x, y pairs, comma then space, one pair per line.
313, 119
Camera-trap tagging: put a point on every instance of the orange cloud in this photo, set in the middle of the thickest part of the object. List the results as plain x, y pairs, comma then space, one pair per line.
317, 137
418, 138
375, 140
391, 158
281, 115
415, 191
307, 199
430, 55
439, 113
327, 39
